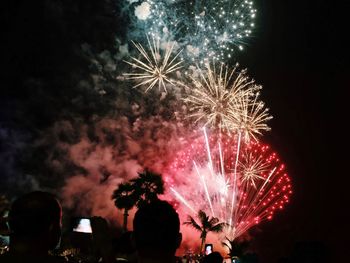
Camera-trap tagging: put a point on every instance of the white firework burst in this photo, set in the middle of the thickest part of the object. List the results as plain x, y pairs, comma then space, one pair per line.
252, 117
207, 30
228, 100
252, 168
214, 95
155, 67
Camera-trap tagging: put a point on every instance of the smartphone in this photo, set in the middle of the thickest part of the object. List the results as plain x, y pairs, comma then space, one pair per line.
208, 248
82, 225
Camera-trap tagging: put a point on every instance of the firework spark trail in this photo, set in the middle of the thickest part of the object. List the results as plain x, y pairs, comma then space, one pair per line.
208, 151
183, 200
154, 69
205, 188
268, 178
253, 209
234, 192
253, 203
221, 160
255, 166
260, 210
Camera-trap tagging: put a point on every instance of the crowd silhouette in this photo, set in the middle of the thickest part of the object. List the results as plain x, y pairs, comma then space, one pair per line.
35, 230
35, 222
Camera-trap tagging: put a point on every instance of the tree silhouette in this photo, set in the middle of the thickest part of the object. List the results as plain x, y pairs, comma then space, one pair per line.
138, 191
125, 198
147, 187
205, 226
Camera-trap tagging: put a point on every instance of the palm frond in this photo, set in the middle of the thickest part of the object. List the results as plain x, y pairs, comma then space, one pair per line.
191, 222
217, 228
213, 221
202, 217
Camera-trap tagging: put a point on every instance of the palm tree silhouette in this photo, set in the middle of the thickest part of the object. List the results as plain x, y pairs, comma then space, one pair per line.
138, 191
205, 226
125, 198
147, 187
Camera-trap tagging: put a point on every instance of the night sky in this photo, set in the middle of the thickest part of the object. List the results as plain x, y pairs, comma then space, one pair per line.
298, 53
300, 57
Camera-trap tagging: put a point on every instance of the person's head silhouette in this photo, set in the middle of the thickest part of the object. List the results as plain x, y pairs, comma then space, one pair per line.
35, 223
157, 232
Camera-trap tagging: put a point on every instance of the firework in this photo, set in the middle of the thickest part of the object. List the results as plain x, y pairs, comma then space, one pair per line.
208, 30
252, 167
252, 117
206, 176
154, 68
227, 100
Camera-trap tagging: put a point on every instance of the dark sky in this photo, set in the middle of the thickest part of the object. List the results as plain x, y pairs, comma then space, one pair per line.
300, 58
298, 55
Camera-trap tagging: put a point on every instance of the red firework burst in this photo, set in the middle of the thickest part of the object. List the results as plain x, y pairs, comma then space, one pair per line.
241, 184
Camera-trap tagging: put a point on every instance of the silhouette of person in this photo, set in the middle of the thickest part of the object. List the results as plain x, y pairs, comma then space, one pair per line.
157, 232
35, 228
214, 257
